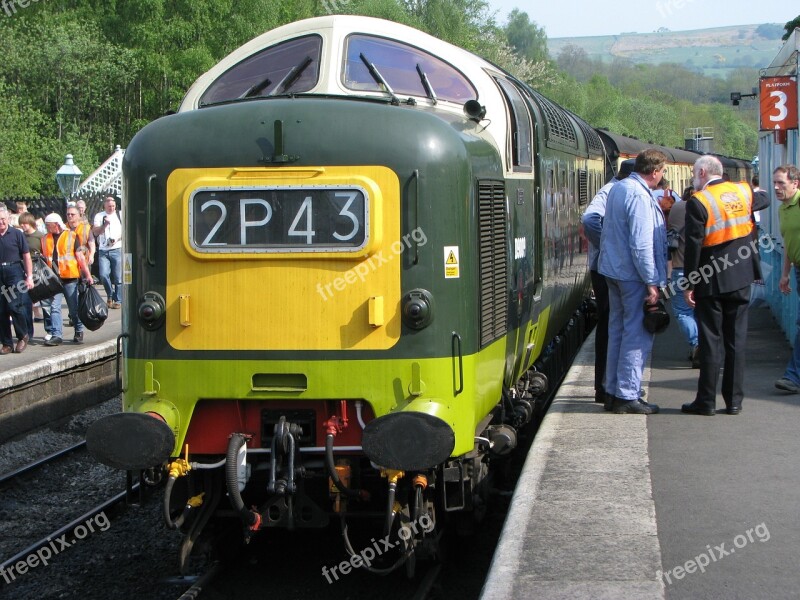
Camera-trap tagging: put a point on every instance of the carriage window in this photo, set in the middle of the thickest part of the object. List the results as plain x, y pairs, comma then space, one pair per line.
288, 67
398, 64
549, 192
520, 126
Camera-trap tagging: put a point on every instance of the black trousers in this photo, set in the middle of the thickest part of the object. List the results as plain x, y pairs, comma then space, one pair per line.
601, 329
722, 328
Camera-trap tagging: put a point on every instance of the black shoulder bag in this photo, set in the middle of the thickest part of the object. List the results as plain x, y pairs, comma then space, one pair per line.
46, 283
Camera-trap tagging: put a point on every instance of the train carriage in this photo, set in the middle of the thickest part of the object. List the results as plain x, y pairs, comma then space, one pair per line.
680, 161
352, 253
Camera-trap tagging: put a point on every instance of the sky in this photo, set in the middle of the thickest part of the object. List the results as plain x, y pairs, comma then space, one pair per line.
577, 18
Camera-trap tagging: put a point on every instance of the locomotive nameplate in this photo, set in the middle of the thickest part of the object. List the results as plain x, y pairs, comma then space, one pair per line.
305, 299
282, 219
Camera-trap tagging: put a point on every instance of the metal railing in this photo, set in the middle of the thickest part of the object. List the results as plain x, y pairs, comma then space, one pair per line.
107, 178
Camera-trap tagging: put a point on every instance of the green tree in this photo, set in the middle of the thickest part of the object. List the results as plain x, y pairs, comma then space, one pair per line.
525, 37
29, 154
790, 27
575, 61
20, 146
463, 23
74, 78
79, 76
732, 136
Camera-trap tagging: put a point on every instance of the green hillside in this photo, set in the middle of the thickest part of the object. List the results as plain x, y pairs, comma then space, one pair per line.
709, 51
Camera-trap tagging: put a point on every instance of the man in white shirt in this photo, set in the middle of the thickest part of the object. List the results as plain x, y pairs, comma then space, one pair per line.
107, 228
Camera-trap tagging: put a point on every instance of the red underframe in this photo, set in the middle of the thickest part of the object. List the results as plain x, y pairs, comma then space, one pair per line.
214, 420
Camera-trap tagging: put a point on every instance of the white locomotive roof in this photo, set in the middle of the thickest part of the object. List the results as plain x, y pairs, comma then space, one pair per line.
334, 30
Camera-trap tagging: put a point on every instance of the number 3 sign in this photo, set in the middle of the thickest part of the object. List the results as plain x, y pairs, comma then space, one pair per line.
778, 99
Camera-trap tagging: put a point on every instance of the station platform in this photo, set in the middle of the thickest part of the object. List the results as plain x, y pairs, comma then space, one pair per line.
47, 382
670, 505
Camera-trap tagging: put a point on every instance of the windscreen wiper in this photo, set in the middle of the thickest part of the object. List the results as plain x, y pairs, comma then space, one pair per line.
376, 75
291, 77
423, 77
256, 89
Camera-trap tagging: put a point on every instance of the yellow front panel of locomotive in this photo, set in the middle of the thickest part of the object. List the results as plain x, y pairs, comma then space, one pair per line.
250, 300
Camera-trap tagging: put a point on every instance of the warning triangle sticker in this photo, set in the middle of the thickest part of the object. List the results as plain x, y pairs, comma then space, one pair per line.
451, 259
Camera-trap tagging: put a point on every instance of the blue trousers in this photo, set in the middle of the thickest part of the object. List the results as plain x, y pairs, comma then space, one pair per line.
683, 314
629, 343
111, 273
14, 303
71, 296
793, 368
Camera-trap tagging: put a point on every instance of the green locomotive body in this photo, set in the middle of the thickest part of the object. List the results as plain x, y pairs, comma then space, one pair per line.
347, 256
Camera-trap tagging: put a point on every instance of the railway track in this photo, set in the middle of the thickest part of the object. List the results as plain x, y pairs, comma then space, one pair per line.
202, 582
10, 476
17, 481
65, 534
40, 496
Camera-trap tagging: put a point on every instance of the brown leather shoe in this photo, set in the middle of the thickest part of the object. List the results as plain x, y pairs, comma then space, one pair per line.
21, 345
6, 350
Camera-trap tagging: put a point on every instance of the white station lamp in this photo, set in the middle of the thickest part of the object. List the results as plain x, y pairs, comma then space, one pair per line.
68, 178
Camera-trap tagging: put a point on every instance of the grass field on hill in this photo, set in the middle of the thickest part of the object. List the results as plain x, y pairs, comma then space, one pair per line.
709, 51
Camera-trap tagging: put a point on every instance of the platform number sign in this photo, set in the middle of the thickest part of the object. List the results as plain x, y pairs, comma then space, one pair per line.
778, 100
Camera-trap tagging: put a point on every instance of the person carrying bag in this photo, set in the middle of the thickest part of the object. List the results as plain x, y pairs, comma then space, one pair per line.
63, 250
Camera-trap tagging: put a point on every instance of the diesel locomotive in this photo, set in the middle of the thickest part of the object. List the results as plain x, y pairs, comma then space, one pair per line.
352, 259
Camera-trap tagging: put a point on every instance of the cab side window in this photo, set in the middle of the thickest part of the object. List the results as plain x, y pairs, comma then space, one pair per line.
520, 130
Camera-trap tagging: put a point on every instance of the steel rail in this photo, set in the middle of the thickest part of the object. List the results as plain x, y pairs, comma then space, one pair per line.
41, 461
66, 529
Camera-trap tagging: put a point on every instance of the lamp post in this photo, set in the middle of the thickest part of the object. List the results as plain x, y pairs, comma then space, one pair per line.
68, 178
737, 96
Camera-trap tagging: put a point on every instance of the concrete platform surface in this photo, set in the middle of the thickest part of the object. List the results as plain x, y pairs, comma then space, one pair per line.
668, 506
48, 382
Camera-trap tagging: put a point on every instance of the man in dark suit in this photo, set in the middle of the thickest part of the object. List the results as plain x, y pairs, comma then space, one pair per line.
721, 261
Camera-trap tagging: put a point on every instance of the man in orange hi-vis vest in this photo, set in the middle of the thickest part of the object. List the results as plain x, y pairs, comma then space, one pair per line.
721, 261
67, 257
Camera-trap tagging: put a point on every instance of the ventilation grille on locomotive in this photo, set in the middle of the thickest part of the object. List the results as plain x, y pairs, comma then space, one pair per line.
583, 186
493, 223
593, 141
559, 127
